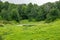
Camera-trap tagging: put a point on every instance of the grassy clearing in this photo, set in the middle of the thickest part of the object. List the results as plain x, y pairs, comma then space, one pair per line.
43, 31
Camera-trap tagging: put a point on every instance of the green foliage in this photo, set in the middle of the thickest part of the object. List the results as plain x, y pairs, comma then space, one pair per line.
15, 15
22, 11
52, 15
1, 5
1, 38
5, 15
6, 5
31, 12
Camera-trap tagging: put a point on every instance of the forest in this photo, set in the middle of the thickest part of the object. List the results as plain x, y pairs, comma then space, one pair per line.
47, 12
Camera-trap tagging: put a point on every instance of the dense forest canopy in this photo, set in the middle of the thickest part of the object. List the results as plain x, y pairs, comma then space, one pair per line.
32, 12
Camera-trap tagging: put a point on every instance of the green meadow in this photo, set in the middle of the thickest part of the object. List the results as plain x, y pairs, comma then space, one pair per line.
41, 31
29, 21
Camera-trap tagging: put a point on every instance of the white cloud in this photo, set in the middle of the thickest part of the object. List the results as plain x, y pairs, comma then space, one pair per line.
39, 2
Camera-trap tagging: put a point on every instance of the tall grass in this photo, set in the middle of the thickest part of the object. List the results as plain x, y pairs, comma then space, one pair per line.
44, 31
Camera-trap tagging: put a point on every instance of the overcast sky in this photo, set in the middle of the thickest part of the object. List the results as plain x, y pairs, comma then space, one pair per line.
39, 2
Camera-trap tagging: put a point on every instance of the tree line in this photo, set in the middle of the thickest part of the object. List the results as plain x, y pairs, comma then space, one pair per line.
32, 12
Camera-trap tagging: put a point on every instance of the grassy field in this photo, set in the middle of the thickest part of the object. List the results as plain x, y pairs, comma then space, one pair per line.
43, 31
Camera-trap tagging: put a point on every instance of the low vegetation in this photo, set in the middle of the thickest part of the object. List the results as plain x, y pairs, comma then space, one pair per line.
43, 31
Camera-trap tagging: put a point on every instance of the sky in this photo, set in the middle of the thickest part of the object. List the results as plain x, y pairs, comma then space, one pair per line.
39, 2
